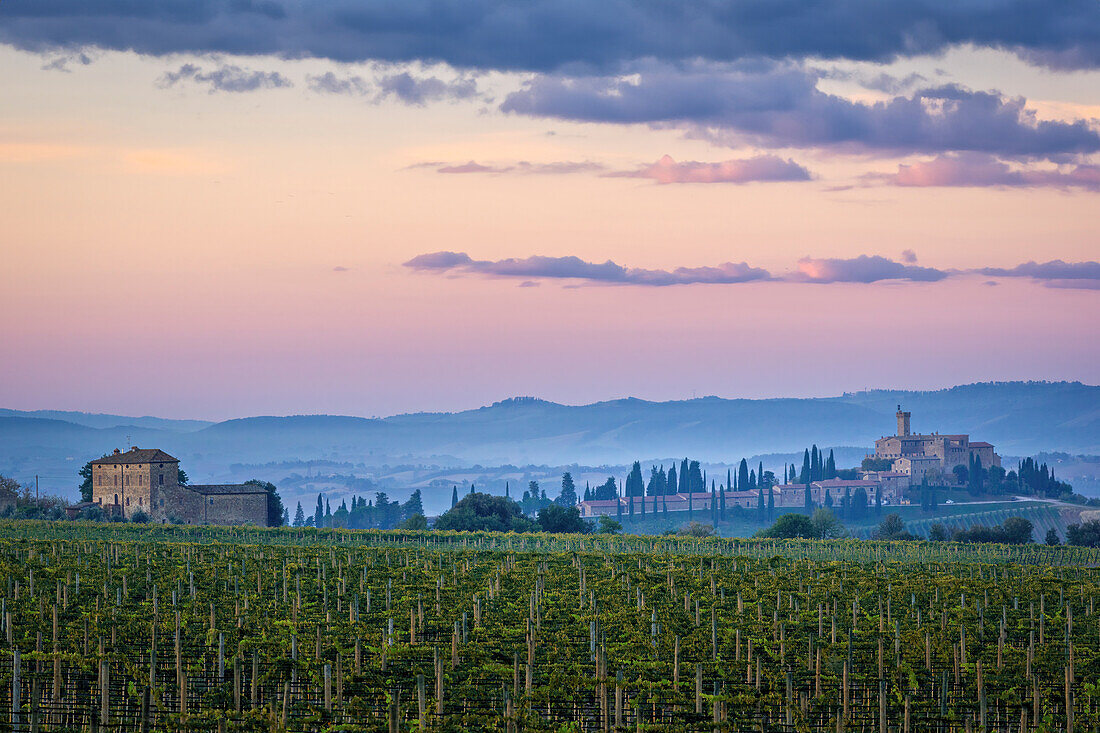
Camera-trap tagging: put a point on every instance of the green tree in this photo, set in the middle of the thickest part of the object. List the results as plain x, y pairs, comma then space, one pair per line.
414, 522
607, 525
86, 484
789, 526
892, 528
859, 503
1085, 534
826, 525
938, 533
1052, 537
771, 503
479, 512
809, 499
414, 506
319, 513
568, 496
562, 520
696, 529
454, 496
182, 478
1018, 530
299, 516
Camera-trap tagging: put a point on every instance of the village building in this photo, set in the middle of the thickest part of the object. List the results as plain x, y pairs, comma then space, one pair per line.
147, 480
918, 455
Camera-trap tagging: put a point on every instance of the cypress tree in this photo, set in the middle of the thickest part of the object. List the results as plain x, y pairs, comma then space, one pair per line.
506, 494
805, 476
743, 476
319, 514
809, 502
830, 466
722, 501
771, 504
828, 500
752, 479
454, 497
760, 473
672, 487
815, 464
760, 504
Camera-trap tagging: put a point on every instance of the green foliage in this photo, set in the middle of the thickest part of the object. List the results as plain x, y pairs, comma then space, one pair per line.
826, 525
789, 526
568, 496
1085, 534
562, 520
607, 525
85, 473
479, 512
275, 509
938, 532
877, 464
696, 529
892, 528
1052, 537
1014, 531
415, 522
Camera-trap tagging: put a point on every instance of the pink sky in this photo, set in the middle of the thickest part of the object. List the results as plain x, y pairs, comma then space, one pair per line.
173, 251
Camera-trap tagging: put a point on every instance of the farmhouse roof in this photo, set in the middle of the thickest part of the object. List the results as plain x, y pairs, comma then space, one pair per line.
136, 455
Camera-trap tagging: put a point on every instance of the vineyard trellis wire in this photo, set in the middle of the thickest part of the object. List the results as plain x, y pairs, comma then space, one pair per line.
110, 628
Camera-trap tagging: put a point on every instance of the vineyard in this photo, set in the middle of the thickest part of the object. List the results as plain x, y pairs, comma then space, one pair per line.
111, 628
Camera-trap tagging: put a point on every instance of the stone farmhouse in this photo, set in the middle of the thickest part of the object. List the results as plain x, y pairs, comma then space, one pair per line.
147, 480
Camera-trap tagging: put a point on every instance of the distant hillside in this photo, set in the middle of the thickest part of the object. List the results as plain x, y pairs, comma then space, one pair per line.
1019, 418
98, 420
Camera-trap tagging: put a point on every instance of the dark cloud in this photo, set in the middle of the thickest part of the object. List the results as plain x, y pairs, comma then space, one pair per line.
977, 169
1052, 270
61, 63
226, 78
575, 268
760, 168
908, 256
551, 34
330, 83
419, 91
402, 86
862, 269
779, 105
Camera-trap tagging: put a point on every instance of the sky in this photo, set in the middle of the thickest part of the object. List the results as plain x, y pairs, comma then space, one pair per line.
220, 208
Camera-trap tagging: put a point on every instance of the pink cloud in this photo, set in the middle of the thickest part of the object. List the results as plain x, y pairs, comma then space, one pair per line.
760, 168
975, 169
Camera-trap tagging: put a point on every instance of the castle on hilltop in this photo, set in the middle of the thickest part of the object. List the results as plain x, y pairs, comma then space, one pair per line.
147, 480
918, 455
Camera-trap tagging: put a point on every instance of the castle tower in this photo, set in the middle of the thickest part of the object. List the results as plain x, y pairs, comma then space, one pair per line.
903, 422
